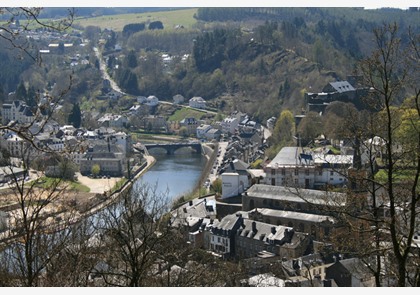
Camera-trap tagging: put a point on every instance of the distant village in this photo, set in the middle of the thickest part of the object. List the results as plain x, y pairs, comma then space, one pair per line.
276, 216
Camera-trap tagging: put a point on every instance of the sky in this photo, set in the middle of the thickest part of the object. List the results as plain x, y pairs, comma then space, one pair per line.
213, 3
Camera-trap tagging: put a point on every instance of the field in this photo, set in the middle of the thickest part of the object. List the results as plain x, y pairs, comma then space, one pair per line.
186, 113
170, 19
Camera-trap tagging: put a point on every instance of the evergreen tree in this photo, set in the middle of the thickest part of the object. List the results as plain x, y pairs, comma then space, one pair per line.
75, 116
131, 59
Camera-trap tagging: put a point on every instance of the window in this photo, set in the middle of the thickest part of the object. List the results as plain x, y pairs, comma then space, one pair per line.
296, 172
331, 173
283, 171
306, 171
273, 172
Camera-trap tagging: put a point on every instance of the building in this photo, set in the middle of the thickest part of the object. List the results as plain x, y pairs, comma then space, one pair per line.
290, 199
178, 99
254, 237
229, 125
197, 102
235, 178
113, 121
151, 101
294, 167
239, 237
17, 111
350, 273
317, 225
191, 124
109, 157
202, 130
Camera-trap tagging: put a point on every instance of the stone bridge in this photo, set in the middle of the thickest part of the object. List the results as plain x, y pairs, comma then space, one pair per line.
172, 147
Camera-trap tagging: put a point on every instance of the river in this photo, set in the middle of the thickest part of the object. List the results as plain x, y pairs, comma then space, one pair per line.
178, 173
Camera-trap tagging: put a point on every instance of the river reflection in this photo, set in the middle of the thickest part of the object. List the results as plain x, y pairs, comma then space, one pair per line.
177, 174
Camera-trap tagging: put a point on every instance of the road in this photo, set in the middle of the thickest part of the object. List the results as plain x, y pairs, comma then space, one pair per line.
222, 148
105, 75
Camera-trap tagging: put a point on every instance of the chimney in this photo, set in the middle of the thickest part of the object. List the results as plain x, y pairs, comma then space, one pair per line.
190, 203
254, 227
273, 230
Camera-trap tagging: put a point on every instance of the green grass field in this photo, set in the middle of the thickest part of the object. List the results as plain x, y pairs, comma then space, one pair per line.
169, 19
184, 113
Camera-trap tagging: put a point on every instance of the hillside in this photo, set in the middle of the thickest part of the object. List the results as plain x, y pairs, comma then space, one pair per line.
257, 60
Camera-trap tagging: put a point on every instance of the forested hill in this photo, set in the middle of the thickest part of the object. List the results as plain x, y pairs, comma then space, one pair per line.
260, 60
256, 60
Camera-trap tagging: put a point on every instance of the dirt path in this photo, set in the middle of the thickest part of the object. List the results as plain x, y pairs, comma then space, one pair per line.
98, 185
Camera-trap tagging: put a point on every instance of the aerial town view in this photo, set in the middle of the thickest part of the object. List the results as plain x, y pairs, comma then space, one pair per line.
209, 147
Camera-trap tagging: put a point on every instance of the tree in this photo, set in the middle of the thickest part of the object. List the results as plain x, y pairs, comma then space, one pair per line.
390, 72
33, 238
310, 127
156, 25
75, 116
216, 186
131, 59
96, 169
284, 129
134, 231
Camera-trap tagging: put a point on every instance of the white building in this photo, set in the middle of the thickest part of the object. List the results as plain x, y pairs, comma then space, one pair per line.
229, 125
151, 101
202, 130
295, 168
16, 111
197, 102
233, 184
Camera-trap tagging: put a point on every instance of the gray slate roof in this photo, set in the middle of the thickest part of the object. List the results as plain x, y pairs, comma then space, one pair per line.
282, 193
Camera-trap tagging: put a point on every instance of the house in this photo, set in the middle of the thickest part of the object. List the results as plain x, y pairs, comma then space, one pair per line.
222, 235
114, 121
14, 144
151, 101
350, 273
334, 91
254, 237
178, 99
295, 167
135, 110
195, 217
109, 157
17, 111
213, 134
197, 102
235, 178
154, 123
239, 237
191, 124
202, 130
229, 125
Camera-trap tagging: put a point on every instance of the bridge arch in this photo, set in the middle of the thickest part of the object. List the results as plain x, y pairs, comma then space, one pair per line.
172, 147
